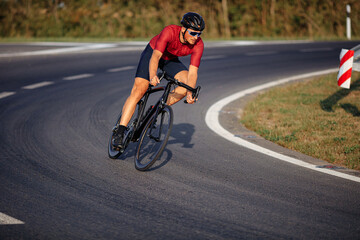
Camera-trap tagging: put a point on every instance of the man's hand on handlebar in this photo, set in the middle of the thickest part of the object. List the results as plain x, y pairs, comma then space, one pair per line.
155, 81
189, 97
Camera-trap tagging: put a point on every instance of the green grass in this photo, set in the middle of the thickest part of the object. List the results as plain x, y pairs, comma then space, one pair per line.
315, 117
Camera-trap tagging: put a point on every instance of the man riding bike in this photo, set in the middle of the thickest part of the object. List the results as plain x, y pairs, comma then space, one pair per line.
162, 52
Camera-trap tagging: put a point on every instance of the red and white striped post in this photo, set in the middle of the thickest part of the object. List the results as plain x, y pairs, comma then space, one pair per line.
346, 63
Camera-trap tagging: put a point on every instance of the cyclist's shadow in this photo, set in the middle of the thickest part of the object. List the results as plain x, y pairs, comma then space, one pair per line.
180, 134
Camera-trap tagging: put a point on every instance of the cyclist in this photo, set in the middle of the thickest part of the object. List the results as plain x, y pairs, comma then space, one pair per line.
162, 52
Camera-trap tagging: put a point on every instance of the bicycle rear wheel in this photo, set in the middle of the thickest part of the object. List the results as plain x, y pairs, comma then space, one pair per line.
153, 139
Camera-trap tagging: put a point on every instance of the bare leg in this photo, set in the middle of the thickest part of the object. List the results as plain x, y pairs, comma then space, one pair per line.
179, 92
140, 87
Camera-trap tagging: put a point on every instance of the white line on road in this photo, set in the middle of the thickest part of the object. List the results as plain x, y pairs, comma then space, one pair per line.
213, 57
121, 69
37, 85
7, 220
124, 46
260, 53
76, 77
212, 121
316, 50
6, 94
82, 47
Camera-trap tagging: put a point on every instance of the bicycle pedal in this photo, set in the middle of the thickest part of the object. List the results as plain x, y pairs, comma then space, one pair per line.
119, 149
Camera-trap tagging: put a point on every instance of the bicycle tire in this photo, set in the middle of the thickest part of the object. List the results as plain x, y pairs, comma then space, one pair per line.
113, 152
149, 149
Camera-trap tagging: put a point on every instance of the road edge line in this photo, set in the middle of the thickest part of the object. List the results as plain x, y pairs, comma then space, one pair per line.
212, 121
7, 220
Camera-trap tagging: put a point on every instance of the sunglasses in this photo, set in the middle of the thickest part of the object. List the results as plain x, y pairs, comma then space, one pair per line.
194, 34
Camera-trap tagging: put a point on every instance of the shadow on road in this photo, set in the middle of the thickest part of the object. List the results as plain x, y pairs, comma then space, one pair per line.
332, 100
180, 134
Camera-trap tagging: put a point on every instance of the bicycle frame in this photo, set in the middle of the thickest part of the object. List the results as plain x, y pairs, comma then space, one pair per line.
147, 120
141, 120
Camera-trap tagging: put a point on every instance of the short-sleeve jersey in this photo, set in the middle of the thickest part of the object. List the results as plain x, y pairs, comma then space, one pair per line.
168, 42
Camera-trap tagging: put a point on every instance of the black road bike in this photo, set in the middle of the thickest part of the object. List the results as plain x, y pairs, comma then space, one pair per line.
150, 128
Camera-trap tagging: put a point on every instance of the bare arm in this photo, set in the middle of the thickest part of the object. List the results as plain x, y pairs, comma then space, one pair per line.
192, 78
153, 66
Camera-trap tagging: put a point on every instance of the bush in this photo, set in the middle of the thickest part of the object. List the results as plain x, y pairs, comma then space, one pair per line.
144, 18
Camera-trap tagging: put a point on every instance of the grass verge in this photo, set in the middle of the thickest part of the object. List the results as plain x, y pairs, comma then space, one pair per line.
315, 117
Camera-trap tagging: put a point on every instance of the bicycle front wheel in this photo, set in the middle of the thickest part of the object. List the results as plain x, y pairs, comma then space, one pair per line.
153, 139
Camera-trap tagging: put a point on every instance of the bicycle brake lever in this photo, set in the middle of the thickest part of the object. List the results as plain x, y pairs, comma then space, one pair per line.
162, 75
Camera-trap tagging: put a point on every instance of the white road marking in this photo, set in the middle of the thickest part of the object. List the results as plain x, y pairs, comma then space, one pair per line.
37, 85
121, 69
213, 57
59, 44
6, 94
316, 50
260, 53
212, 121
76, 77
125, 46
82, 47
7, 220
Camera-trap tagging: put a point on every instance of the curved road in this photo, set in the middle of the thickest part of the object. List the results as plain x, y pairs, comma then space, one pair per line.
56, 112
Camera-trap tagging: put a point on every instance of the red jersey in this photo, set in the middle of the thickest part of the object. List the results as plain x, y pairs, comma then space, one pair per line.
168, 42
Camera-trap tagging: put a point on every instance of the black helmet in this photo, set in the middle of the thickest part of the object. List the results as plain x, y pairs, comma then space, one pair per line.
193, 21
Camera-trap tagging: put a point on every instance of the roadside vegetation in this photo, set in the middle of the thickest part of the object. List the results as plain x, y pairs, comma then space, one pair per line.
315, 117
141, 19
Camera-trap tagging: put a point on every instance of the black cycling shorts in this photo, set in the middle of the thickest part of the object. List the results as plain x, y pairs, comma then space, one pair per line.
171, 67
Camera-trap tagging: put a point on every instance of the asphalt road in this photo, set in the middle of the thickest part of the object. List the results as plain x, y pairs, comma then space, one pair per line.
56, 177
